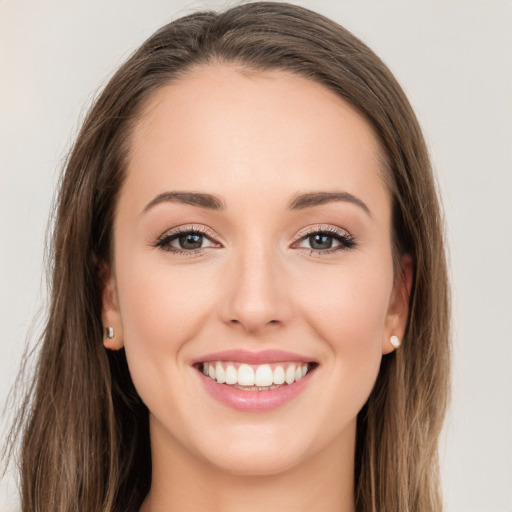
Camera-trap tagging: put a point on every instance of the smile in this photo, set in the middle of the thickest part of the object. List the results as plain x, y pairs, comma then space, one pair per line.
255, 381
255, 377
261, 377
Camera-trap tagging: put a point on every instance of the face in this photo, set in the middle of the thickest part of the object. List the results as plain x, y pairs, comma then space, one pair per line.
252, 243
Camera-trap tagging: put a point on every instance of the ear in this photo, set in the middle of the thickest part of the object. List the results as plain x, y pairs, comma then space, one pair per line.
110, 315
398, 311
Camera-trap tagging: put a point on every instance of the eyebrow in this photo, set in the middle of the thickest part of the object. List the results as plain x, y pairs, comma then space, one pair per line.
302, 201
199, 199
298, 202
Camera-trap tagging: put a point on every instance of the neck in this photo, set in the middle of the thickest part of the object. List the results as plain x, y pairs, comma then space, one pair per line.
181, 481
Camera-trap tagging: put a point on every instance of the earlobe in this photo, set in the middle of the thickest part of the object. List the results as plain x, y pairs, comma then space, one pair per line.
109, 339
110, 315
398, 311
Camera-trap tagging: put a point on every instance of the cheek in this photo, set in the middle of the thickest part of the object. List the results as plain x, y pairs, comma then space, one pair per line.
348, 304
347, 309
162, 308
154, 297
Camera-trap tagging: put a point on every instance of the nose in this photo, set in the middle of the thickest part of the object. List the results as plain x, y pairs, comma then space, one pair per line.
256, 298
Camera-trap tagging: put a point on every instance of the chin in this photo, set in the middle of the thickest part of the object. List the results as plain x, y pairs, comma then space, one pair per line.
255, 463
265, 453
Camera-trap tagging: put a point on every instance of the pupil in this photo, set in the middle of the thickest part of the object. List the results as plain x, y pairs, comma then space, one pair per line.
320, 241
190, 241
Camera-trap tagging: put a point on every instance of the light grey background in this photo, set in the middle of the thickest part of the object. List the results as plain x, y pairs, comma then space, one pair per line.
453, 59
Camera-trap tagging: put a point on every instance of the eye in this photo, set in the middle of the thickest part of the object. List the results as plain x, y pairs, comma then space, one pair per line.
320, 241
186, 240
326, 240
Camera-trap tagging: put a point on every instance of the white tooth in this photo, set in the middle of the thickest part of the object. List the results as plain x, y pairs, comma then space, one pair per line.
279, 376
219, 373
263, 375
231, 375
290, 374
298, 373
205, 368
211, 371
304, 369
245, 375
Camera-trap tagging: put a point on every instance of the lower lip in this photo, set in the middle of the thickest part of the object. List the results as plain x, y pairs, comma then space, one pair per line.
254, 401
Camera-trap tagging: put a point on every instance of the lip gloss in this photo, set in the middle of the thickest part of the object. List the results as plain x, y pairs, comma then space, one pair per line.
254, 401
248, 357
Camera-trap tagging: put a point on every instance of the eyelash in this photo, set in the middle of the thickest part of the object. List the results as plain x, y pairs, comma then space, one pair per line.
164, 241
346, 241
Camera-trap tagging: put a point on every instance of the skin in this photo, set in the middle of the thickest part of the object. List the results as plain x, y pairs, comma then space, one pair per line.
255, 140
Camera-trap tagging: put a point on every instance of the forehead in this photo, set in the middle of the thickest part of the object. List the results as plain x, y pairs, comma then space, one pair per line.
223, 128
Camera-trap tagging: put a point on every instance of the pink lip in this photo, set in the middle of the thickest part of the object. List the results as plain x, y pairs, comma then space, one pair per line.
254, 401
245, 356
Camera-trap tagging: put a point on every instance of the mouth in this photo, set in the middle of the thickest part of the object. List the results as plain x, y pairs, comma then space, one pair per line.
255, 382
255, 377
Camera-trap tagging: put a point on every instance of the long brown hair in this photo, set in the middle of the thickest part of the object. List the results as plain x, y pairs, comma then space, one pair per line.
85, 440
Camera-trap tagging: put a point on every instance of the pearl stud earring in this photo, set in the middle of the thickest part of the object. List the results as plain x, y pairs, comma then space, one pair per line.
395, 341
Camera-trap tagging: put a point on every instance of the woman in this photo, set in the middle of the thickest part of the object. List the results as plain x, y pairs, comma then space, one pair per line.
247, 311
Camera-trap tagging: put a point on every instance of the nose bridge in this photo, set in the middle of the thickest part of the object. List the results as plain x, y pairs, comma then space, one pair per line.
257, 297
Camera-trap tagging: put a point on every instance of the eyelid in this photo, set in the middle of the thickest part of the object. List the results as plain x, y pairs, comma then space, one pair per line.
323, 228
187, 228
163, 242
342, 236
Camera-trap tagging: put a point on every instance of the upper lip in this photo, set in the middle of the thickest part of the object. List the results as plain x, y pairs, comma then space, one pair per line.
245, 356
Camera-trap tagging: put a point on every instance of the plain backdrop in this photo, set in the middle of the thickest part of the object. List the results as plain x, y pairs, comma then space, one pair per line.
453, 58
